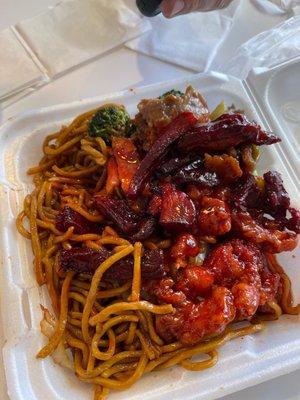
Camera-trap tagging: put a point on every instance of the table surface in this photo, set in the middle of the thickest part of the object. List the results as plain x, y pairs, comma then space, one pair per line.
131, 69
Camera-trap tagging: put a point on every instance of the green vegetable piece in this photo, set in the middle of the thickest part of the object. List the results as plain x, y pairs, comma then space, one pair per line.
218, 111
173, 92
110, 120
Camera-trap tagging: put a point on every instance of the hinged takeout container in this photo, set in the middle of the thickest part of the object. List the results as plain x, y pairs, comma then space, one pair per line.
272, 98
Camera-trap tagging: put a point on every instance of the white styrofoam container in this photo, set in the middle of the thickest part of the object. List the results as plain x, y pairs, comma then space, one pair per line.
265, 97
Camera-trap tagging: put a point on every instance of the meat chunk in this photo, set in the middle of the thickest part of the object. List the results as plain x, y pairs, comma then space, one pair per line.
277, 198
159, 112
118, 211
241, 267
173, 164
277, 204
192, 173
67, 218
145, 229
247, 193
293, 223
112, 181
270, 240
246, 300
83, 260
197, 192
176, 128
234, 260
232, 283
226, 167
267, 199
270, 283
152, 267
214, 217
230, 130
194, 281
185, 246
163, 291
154, 206
178, 211
193, 322
130, 223
247, 159
127, 159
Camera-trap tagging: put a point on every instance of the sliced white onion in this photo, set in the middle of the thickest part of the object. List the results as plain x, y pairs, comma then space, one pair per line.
60, 355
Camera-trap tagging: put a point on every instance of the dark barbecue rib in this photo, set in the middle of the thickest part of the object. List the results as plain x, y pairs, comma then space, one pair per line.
83, 260
230, 130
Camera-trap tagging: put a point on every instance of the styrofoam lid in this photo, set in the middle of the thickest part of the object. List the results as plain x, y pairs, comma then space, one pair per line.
276, 92
243, 362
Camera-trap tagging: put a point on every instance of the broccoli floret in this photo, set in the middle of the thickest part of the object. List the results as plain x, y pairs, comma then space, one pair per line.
174, 92
109, 121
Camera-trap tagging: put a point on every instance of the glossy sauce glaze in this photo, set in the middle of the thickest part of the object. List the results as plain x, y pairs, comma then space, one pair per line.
190, 195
